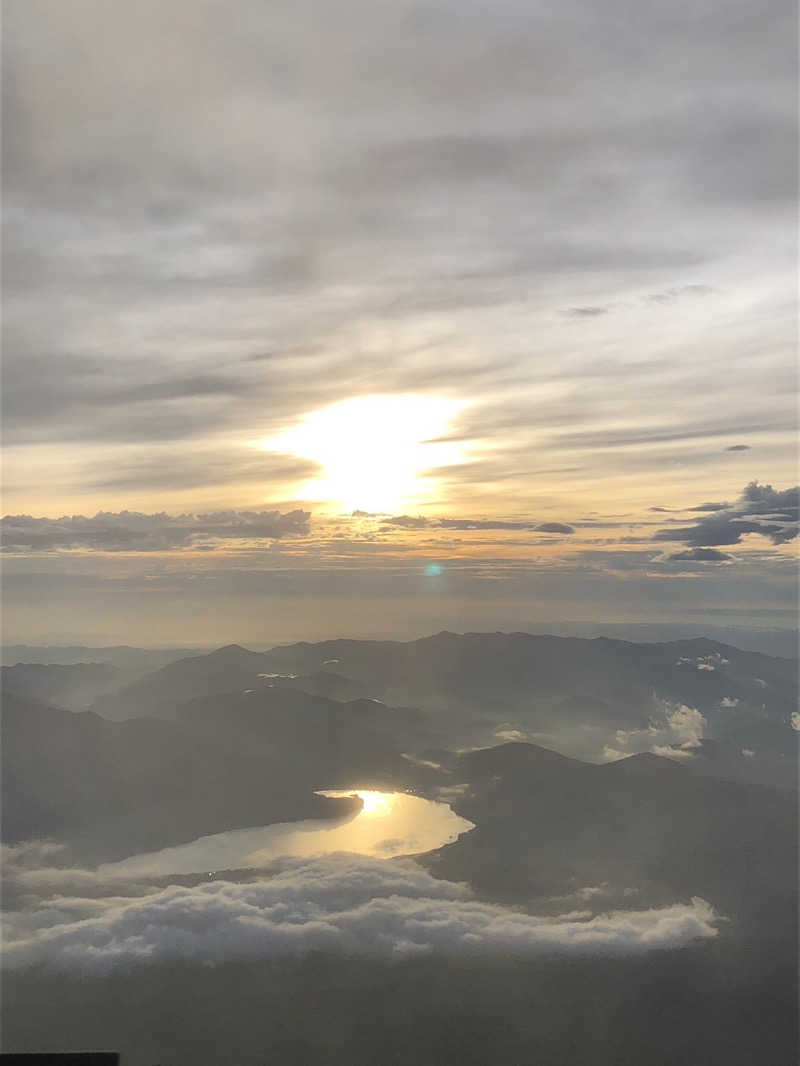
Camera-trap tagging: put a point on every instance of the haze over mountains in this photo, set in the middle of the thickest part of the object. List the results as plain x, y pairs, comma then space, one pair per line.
595, 699
345, 713
625, 799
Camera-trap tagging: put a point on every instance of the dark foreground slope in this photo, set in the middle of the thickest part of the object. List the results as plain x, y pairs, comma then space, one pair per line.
714, 1005
553, 834
642, 831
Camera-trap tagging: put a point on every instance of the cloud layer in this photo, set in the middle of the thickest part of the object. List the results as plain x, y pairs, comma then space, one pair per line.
130, 531
214, 226
341, 903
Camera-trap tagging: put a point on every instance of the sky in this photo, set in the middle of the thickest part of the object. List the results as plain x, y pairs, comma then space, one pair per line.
380, 318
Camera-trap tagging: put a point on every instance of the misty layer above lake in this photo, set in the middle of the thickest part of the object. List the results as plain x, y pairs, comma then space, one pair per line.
389, 824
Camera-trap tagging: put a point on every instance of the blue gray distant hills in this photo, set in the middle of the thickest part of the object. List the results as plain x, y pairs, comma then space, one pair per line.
724, 710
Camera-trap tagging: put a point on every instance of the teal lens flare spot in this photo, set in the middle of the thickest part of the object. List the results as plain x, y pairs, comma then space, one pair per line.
433, 570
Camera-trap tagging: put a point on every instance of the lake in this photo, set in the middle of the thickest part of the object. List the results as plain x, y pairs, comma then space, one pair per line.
389, 824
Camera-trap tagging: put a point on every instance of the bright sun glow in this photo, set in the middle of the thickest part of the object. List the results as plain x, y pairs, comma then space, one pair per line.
374, 451
376, 803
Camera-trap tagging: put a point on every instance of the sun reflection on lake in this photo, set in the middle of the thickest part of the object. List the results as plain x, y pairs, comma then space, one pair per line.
389, 824
376, 804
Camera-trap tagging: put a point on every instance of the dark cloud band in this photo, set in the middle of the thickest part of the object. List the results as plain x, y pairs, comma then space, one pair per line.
130, 531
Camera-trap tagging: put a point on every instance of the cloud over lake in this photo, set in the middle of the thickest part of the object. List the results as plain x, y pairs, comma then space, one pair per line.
341, 903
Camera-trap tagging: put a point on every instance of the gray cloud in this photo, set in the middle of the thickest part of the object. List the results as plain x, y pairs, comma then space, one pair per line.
760, 509
664, 434
331, 240
738, 448
406, 521
221, 467
554, 527
131, 531
702, 555
670, 296
421, 522
342, 903
586, 312
472, 523
64, 396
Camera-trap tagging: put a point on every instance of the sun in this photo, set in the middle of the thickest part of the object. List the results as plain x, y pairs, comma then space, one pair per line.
375, 451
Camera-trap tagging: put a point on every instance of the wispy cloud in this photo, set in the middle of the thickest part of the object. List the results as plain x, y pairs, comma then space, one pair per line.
158, 294
464, 524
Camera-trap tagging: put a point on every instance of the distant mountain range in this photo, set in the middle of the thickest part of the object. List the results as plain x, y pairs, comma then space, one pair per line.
75, 686
235, 737
123, 656
727, 711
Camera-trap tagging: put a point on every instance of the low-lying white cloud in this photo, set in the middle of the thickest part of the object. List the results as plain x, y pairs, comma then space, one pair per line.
666, 751
675, 732
342, 903
686, 724
508, 733
703, 662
